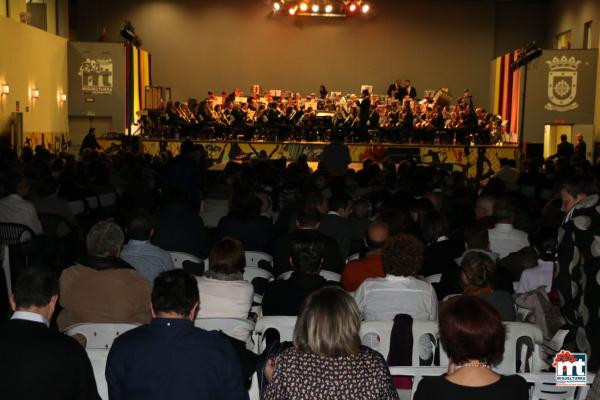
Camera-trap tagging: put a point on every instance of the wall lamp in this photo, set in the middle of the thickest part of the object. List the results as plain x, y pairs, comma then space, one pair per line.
35, 93
4, 89
62, 97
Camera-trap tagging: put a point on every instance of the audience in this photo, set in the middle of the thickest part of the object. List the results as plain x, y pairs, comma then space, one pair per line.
37, 362
473, 336
504, 238
170, 358
544, 243
484, 211
336, 224
285, 297
15, 209
103, 287
440, 251
477, 270
357, 271
327, 359
149, 260
223, 291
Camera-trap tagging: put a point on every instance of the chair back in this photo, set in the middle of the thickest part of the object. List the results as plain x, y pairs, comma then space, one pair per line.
5, 254
254, 272
98, 358
377, 335
237, 328
515, 351
329, 275
283, 324
99, 335
253, 257
352, 257
434, 278
92, 202
13, 234
77, 207
179, 257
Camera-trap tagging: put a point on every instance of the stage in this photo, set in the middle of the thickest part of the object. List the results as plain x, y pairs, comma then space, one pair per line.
476, 161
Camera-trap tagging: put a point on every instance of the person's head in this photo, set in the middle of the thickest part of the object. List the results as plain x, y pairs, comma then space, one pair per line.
575, 189
92, 131
308, 218
361, 208
407, 83
504, 211
377, 233
36, 291
579, 137
471, 330
244, 203
227, 257
477, 237
175, 295
433, 226
140, 225
402, 255
484, 207
328, 324
477, 270
316, 201
307, 252
544, 242
342, 204
563, 138
105, 239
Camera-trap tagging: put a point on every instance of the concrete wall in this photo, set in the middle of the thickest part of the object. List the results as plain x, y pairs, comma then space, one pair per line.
31, 58
208, 45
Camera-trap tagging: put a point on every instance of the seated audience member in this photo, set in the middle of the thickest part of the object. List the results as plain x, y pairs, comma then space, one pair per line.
440, 251
37, 362
245, 223
473, 335
186, 362
359, 222
47, 201
285, 297
507, 174
15, 209
327, 359
335, 223
477, 270
484, 211
149, 260
357, 271
399, 292
504, 238
308, 222
544, 243
223, 291
103, 287
178, 228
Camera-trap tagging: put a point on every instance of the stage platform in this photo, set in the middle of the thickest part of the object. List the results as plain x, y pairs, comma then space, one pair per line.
476, 161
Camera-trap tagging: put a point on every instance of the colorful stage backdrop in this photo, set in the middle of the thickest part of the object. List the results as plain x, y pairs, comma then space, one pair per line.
506, 92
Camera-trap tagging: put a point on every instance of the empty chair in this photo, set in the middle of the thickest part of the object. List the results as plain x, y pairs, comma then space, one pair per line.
253, 257
284, 325
237, 328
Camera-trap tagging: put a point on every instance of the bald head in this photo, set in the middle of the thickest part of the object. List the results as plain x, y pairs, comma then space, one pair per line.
377, 233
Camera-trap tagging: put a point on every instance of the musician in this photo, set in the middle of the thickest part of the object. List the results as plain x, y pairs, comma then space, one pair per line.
468, 124
396, 90
407, 124
409, 90
323, 92
465, 100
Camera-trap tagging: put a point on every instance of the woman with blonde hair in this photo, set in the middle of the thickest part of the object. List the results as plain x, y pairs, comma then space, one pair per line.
327, 360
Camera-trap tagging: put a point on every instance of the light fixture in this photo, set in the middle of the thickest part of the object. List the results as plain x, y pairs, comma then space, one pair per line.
62, 97
35, 93
328, 8
303, 7
365, 8
293, 10
5, 89
276, 6
352, 7
315, 8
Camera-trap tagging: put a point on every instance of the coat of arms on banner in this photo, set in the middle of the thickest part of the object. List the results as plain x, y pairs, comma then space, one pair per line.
96, 76
562, 84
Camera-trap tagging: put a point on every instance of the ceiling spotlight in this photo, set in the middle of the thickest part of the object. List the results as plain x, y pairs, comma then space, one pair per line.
352, 7
328, 8
303, 6
293, 10
365, 8
315, 8
276, 6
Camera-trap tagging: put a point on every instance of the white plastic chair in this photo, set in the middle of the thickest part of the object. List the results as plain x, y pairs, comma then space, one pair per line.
4, 253
254, 272
549, 349
236, 328
434, 278
329, 275
545, 387
98, 359
99, 335
253, 257
515, 331
253, 392
92, 202
283, 324
77, 207
107, 199
179, 257
353, 257
213, 210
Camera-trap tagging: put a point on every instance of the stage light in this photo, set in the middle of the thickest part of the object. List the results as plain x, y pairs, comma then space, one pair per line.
352, 7
303, 7
315, 8
365, 8
328, 8
276, 6
293, 10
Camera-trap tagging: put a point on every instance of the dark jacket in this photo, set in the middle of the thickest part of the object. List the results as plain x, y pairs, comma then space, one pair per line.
172, 359
285, 297
332, 260
256, 233
338, 228
37, 362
